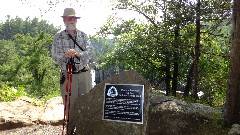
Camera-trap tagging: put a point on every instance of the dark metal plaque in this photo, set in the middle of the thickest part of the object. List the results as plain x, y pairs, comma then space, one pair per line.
123, 103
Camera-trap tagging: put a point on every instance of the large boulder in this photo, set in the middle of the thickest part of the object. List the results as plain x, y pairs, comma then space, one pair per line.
169, 116
89, 109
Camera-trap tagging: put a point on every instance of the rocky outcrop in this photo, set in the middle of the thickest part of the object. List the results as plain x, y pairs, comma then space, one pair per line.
170, 116
24, 112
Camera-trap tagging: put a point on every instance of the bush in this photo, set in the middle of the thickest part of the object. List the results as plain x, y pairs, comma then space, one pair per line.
8, 93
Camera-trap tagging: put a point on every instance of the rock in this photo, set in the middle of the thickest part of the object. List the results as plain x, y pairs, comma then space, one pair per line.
53, 112
22, 112
169, 116
89, 109
235, 130
18, 113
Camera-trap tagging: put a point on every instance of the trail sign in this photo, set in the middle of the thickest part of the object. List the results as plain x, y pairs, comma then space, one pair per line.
123, 103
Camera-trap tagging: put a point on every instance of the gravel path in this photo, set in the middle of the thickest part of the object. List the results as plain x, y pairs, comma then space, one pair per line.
34, 130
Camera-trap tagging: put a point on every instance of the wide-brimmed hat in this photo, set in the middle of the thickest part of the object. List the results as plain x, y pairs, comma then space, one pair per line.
70, 12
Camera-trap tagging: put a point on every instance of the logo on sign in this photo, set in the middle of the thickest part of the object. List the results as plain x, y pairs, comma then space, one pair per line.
112, 92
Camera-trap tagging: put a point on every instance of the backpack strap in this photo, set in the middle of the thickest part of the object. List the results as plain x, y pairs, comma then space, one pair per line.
75, 42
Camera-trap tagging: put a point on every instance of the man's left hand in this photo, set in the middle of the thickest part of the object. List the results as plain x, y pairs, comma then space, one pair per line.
72, 53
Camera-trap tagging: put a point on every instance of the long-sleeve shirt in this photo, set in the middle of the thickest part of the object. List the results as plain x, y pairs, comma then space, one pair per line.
62, 42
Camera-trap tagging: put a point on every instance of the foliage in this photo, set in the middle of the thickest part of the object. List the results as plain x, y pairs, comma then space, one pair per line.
8, 93
25, 58
37, 61
9, 62
169, 39
101, 48
19, 26
214, 64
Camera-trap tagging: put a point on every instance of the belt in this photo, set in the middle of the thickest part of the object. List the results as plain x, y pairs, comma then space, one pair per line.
80, 71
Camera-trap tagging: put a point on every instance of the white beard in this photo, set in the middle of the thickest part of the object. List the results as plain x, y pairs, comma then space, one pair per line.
70, 25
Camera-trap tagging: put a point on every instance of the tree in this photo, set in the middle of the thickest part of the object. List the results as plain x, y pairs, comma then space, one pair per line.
38, 64
179, 21
9, 62
19, 26
197, 51
25, 56
232, 106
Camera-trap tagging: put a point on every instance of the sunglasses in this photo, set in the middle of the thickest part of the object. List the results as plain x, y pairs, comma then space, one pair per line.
69, 18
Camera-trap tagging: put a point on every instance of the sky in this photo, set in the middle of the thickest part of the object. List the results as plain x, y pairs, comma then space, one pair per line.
93, 13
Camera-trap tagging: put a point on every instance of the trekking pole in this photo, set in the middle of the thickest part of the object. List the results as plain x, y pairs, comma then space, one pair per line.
67, 96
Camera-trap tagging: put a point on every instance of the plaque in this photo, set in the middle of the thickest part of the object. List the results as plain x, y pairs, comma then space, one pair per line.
123, 103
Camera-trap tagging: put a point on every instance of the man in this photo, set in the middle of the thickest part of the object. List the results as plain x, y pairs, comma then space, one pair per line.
73, 44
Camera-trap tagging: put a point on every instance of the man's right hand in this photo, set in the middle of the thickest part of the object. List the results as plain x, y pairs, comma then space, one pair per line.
70, 53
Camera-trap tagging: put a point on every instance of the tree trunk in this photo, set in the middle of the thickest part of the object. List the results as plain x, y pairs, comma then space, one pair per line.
168, 76
231, 112
189, 82
197, 53
175, 78
175, 63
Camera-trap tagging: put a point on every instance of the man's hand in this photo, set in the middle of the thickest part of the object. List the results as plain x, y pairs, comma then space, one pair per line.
71, 53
